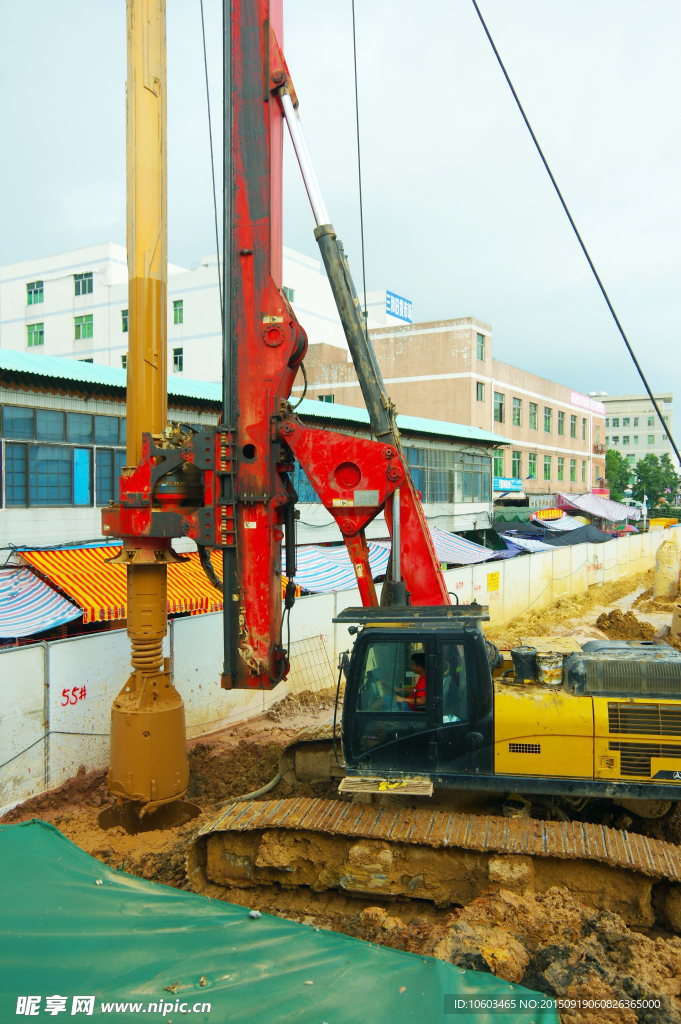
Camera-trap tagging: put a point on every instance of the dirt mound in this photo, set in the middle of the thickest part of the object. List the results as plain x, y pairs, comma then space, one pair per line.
620, 625
567, 612
217, 773
308, 701
550, 943
647, 602
83, 789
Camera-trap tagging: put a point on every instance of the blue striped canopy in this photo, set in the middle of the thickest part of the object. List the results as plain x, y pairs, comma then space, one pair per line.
323, 569
27, 605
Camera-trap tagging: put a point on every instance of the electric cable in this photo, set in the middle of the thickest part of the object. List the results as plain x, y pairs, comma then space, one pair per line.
359, 173
212, 166
579, 237
302, 367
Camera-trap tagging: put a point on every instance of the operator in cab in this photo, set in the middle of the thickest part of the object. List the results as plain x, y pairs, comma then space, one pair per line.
416, 700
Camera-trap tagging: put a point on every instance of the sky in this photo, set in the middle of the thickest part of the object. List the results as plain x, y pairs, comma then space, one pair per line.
459, 214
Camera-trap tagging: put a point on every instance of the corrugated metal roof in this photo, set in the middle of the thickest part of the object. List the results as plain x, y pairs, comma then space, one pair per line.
350, 414
98, 375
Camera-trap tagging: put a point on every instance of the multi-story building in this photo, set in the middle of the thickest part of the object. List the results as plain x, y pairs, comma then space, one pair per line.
62, 446
445, 370
75, 304
633, 428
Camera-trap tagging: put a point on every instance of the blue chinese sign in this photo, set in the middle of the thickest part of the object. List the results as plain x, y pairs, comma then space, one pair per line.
505, 483
395, 305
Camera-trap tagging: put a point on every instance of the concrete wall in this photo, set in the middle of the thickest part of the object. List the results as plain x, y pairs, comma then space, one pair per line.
55, 698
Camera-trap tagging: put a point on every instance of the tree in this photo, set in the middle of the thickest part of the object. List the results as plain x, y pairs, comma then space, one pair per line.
657, 479
617, 473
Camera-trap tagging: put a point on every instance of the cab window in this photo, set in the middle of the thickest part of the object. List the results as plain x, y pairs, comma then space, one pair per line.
454, 680
393, 679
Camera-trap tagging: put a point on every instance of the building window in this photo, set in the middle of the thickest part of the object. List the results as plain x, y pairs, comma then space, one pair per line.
289, 293
548, 415
651, 439
124, 321
178, 311
498, 463
573, 426
625, 439
517, 412
498, 407
635, 438
50, 475
82, 476
16, 479
49, 425
615, 438
78, 428
547, 467
18, 423
532, 466
533, 415
616, 421
516, 470
561, 468
625, 421
124, 361
631, 459
480, 391
105, 476
635, 421
573, 471
83, 284
35, 334
584, 428
83, 326
325, 398
651, 421
34, 293
561, 423
607, 423
596, 474
598, 433
106, 430
481, 346
178, 358
583, 472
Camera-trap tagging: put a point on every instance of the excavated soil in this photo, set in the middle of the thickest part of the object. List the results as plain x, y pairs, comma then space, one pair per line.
618, 625
569, 614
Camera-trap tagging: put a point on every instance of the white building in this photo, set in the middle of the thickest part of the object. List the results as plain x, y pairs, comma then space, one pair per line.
74, 305
633, 428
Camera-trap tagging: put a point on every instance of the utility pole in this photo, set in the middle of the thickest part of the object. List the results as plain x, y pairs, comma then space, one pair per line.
148, 758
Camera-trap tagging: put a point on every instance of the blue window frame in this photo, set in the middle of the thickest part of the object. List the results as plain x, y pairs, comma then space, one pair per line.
18, 423
16, 480
106, 430
50, 475
79, 428
49, 425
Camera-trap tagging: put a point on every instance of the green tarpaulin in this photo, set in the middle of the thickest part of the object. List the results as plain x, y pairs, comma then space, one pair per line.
78, 938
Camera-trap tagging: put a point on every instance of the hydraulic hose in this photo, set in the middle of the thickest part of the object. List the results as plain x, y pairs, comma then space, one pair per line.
251, 796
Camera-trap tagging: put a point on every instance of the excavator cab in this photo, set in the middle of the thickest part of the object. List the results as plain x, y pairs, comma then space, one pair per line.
419, 696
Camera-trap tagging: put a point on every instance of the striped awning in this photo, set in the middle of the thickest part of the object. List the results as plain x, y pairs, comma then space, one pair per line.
321, 570
100, 587
28, 605
564, 522
594, 505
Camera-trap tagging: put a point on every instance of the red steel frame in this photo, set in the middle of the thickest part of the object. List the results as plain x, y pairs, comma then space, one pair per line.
353, 477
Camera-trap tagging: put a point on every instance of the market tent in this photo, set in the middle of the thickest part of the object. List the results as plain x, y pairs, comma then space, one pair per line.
74, 928
526, 543
28, 605
454, 549
594, 505
323, 569
520, 529
562, 522
582, 535
100, 587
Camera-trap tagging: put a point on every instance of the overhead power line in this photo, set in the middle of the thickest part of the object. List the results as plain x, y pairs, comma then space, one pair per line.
665, 427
